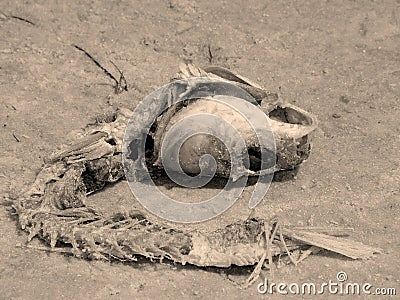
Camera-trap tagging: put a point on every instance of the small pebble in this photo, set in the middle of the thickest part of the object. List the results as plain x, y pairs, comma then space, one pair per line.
336, 116
344, 99
389, 277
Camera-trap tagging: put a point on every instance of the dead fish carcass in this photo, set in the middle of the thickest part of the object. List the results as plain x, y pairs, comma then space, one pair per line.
289, 124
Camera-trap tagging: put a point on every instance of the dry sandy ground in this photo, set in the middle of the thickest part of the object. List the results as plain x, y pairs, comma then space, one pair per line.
339, 60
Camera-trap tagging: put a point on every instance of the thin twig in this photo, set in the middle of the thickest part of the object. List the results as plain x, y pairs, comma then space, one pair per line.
270, 241
286, 249
210, 55
120, 85
16, 138
23, 19
308, 252
257, 270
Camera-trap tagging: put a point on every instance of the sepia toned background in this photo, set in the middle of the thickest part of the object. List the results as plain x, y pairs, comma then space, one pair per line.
339, 60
